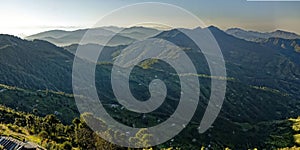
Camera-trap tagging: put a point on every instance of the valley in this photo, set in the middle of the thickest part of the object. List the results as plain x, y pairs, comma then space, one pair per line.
263, 86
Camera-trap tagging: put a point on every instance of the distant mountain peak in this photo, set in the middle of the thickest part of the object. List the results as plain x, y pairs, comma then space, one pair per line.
257, 36
278, 30
235, 28
98, 35
139, 27
198, 28
8, 36
282, 31
212, 27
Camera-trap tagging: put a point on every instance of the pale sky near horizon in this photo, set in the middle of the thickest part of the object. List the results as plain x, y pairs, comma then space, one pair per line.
19, 17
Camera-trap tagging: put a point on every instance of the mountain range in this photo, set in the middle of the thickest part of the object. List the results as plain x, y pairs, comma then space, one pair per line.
263, 77
258, 36
41, 65
124, 36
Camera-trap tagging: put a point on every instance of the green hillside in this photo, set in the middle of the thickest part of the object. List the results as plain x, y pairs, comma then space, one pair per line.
263, 89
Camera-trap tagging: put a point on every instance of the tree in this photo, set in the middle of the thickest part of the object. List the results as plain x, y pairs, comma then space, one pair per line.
76, 122
20, 122
95, 123
51, 119
85, 137
29, 121
43, 134
142, 138
66, 146
50, 124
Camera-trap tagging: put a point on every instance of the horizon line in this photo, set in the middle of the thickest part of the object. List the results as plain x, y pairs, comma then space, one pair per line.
75, 28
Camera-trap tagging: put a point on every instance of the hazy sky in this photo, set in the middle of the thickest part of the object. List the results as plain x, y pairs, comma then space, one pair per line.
25, 17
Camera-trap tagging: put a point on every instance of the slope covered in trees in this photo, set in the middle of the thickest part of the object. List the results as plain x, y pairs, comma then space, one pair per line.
262, 91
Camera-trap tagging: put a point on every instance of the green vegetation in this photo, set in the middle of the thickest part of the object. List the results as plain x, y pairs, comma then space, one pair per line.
41, 102
148, 63
50, 133
263, 90
249, 125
